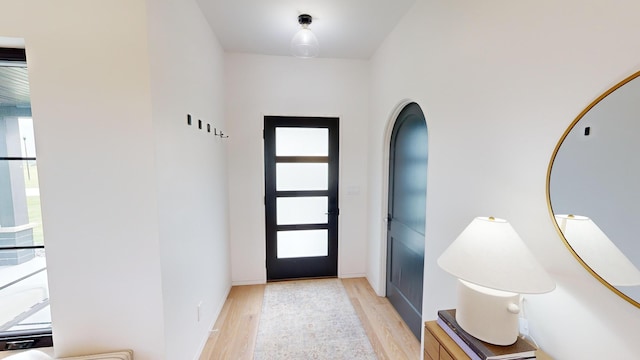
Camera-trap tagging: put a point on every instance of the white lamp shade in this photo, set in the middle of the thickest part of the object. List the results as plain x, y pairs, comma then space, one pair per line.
490, 253
596, 249
305, 44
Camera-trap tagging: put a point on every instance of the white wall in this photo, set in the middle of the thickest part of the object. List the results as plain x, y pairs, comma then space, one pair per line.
187, 78
89, 77
267, 85
499, 82
134, 201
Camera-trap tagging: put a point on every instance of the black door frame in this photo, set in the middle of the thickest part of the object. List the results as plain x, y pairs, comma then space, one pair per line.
307, 267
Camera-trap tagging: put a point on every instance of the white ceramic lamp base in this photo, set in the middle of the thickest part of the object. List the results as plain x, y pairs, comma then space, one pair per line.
487, 314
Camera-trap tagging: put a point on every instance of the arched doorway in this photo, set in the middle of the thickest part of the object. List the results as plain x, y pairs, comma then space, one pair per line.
408, 158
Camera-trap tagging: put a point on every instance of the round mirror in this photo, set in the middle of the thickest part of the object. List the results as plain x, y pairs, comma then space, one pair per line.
593, 188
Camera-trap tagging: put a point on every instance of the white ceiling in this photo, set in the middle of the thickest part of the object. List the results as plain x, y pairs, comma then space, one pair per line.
344, 28
351, 29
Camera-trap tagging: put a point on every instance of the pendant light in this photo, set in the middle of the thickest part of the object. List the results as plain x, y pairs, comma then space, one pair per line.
304, 43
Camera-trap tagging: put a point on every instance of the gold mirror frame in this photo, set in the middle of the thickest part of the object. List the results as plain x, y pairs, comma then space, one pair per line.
548, 192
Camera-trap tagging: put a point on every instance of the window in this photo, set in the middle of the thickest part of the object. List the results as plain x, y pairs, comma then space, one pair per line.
25, 319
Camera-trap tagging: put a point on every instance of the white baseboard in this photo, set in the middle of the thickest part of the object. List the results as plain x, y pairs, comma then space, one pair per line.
350, 276
217, 312
248, 282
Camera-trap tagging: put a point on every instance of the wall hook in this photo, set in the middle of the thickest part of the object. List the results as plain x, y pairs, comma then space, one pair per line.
219, 133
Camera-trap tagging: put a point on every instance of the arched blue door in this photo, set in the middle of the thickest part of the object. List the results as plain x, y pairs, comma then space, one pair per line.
407, 214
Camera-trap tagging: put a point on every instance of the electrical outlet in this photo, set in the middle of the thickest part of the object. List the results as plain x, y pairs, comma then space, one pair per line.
524, 326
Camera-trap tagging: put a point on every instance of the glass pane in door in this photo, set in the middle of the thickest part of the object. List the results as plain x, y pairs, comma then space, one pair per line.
302, 243
302, 176
295, 141
301, 210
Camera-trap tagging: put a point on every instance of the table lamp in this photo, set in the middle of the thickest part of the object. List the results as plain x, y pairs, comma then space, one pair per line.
596, 250
493, 267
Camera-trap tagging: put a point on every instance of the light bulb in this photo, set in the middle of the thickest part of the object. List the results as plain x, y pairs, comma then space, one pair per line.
304, 43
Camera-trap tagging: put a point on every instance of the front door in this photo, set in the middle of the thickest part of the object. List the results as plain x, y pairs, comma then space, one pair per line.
407, 213
301, 196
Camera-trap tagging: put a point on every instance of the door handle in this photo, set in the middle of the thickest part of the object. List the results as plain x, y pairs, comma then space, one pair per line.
336, 212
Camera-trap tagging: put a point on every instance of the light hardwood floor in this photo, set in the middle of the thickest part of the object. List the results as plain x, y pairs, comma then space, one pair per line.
389, 335
234, 333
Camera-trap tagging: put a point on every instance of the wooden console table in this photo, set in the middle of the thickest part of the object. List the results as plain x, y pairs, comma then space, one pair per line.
438, 345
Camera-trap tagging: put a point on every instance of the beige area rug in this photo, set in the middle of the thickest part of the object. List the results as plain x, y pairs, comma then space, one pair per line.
310, 319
